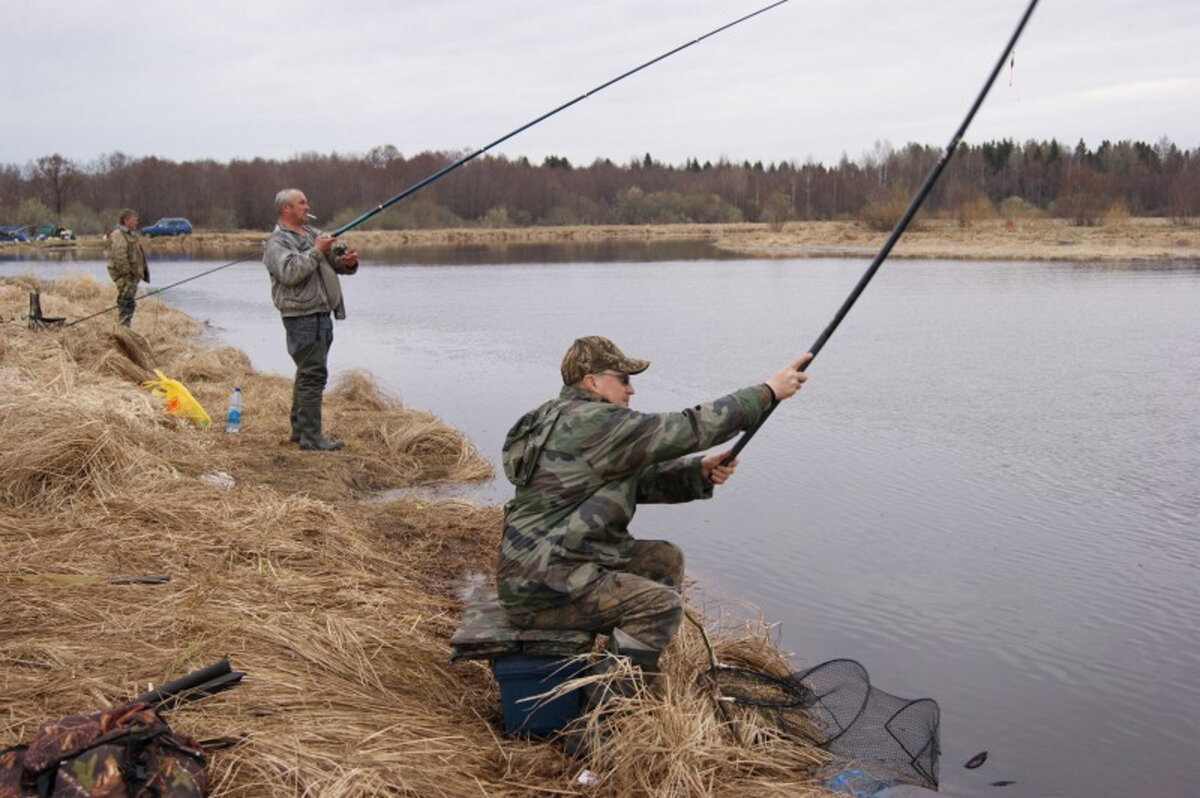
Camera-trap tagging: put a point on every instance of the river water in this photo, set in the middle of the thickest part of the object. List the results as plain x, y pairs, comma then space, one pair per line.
988, 493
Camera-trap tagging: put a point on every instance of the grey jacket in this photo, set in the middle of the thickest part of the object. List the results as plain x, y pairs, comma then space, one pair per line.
303, 279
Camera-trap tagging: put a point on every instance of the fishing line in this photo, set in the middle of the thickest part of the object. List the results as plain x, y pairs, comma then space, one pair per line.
445, 170
900, 226
157, 291
439, 173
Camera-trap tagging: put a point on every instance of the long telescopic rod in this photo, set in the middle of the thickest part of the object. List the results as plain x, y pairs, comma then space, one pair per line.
440, 173
420, 184
157, 291
900, 226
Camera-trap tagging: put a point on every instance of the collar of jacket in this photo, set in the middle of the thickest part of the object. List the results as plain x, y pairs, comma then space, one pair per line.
305, 233
571, 392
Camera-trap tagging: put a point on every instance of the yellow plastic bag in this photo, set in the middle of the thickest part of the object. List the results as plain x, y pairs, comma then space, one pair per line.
179, 400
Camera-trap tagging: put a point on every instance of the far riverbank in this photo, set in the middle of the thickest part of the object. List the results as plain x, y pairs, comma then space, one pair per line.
1130, 239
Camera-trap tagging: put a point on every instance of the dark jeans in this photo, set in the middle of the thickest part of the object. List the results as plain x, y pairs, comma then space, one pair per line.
308, 342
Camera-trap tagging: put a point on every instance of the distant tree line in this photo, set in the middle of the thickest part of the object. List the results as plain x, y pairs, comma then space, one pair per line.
989, 180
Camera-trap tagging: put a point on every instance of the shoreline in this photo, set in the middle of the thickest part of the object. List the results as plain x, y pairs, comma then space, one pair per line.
336, 601
1126, 239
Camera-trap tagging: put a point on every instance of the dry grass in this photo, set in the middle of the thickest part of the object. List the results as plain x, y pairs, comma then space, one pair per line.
1024, 238
674, 740
338, 606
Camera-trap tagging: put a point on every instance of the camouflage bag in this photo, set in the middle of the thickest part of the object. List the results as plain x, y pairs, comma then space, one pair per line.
486, 633
127, 751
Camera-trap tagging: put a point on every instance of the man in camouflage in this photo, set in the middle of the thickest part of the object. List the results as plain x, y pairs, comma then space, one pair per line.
127, 263
581, 463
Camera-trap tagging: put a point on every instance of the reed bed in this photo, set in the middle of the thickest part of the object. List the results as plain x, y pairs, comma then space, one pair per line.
338, 605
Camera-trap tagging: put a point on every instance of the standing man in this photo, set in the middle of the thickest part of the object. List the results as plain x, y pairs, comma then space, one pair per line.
304, 265
581, 464
127, 263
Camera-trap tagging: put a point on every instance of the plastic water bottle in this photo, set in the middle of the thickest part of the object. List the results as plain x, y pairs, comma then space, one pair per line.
233, 416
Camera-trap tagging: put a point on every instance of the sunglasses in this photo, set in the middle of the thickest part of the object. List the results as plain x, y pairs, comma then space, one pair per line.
621, 377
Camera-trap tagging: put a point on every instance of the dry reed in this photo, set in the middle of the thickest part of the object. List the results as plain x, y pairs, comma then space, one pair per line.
339, 609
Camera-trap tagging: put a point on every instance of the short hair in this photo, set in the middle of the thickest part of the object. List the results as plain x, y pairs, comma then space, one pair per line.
125, 214
285, 197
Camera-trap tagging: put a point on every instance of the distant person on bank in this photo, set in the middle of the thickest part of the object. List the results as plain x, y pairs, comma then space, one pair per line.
304, 265
127, 263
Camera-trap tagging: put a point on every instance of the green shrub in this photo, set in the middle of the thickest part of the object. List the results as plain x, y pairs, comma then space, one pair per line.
1115, 215
882, 215
977, 209
33, 212
220, 219
1015, 207
777, 211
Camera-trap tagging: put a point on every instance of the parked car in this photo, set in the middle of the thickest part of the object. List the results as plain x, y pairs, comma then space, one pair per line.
13, 233
169, 226
50, 230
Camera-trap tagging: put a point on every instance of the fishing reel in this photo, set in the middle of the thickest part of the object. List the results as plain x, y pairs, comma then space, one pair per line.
338, 251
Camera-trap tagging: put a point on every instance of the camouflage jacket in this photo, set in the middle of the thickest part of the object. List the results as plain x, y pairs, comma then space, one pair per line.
303, 279
126, 258
581, 465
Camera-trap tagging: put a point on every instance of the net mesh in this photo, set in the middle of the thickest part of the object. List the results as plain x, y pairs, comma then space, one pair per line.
834, 705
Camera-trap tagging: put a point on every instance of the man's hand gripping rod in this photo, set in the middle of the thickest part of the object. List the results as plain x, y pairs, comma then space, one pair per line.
901, 224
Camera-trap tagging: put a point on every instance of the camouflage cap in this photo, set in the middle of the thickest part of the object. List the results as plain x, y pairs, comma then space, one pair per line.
594, 354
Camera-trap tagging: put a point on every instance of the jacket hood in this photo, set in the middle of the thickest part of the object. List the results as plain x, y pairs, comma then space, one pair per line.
524, 442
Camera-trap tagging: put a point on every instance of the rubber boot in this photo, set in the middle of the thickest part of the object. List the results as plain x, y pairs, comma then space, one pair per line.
295, 419
308, 421
576, 740
642, 655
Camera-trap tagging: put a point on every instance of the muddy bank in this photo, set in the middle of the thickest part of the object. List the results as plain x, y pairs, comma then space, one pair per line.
1130, 239
338, 603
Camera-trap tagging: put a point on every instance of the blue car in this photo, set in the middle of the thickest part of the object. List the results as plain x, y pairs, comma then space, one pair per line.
169, 226
13, 233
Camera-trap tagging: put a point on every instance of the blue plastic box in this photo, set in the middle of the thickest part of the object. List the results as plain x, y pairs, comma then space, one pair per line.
522, 677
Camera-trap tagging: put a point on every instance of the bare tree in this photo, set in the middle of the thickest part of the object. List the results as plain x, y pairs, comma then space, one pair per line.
1154, 179
58, 175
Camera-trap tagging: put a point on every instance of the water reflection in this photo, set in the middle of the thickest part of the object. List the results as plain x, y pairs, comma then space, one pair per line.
444, 255
550, 252
50, 254
986, 494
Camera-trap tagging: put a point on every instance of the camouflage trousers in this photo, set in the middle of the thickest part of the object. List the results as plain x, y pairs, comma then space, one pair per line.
642, 601
126, 300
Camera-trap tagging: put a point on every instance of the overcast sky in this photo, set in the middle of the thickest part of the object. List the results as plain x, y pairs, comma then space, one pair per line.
811, 79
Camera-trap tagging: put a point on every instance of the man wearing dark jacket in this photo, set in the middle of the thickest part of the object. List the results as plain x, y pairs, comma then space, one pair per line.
304, 265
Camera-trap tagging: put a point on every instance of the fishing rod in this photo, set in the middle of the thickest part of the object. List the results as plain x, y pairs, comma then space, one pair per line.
157, 291
445, 170
466, 158
898, 229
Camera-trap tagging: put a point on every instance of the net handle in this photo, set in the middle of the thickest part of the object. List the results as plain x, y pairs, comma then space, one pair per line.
716, 688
